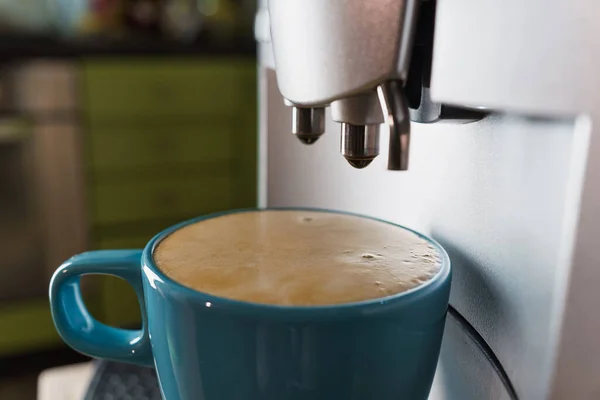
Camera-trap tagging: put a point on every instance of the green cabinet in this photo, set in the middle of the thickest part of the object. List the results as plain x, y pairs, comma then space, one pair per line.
180, 197
131, 145
139, 88
166, 140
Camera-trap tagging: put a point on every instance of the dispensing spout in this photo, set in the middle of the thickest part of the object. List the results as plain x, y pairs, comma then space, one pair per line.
395, 111
308, 124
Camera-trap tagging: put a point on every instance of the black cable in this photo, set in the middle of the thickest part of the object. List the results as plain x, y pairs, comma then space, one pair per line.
486, 350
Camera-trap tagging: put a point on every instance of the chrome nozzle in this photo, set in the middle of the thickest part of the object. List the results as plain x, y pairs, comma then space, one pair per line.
359, 144
308, 124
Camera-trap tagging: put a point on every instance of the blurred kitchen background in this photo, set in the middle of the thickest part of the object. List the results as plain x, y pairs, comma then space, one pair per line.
118, 118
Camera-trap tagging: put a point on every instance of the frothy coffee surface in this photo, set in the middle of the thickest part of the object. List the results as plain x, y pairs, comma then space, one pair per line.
296, 258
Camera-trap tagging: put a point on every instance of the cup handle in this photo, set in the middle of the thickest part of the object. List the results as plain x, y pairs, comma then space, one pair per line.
76, 325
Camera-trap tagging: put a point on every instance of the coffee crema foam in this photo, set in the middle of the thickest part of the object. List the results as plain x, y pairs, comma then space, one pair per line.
298, 258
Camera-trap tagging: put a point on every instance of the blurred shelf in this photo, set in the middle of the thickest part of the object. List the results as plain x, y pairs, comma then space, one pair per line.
15, 47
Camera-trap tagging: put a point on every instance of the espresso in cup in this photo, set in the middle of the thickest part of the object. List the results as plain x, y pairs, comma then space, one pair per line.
297, 258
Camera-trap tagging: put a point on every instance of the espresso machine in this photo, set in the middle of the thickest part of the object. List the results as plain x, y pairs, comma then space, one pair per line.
471, 121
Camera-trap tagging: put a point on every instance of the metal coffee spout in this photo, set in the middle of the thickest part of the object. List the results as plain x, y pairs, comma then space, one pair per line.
359, 117
359, 144
348, 55
308, 124
396, 116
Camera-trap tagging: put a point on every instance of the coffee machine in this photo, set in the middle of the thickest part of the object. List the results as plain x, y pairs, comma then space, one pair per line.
485, 111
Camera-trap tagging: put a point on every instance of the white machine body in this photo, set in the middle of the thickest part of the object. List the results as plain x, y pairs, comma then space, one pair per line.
514, 197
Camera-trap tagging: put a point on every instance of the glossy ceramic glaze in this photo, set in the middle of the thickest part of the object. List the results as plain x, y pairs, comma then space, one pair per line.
209, 348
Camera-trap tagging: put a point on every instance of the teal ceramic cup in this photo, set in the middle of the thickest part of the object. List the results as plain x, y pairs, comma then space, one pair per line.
210, 348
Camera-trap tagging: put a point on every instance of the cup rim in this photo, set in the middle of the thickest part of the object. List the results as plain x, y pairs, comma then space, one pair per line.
153, 273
